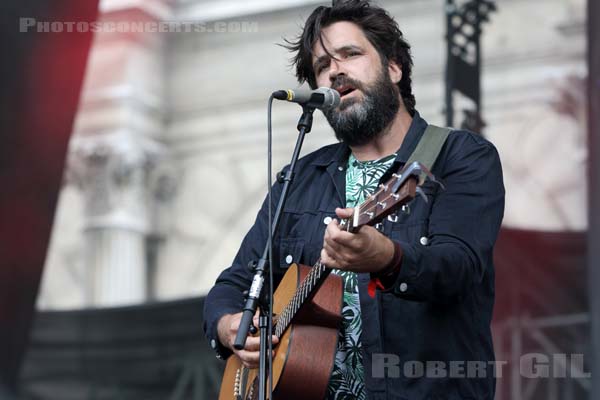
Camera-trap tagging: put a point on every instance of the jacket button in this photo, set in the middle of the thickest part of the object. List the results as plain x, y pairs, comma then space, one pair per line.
403, 287
289, 259
424, 240
327, 220
340, 168
213, 343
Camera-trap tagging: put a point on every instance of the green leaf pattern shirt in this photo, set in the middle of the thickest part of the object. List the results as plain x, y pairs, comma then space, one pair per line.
347, 378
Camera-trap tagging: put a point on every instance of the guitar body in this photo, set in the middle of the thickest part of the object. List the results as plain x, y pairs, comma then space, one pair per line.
304, 357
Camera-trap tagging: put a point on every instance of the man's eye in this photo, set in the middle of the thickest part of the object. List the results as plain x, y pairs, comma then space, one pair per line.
321, 68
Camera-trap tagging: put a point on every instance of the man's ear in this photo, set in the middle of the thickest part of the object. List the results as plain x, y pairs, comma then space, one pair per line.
395, 71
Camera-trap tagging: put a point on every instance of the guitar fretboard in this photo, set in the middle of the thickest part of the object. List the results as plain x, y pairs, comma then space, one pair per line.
309, 285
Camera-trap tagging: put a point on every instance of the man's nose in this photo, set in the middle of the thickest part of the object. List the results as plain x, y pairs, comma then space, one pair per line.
335, 69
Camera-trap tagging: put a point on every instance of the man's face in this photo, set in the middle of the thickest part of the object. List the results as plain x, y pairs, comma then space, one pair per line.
369, 95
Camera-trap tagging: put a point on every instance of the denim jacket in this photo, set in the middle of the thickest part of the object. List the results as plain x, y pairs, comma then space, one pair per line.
428, 335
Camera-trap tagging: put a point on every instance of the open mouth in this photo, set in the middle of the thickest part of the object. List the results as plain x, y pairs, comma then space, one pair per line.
345, 90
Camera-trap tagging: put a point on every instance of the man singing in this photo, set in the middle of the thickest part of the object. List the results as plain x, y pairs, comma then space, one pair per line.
419, 292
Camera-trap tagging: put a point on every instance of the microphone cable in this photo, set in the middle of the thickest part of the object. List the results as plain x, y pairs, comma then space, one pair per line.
270, 184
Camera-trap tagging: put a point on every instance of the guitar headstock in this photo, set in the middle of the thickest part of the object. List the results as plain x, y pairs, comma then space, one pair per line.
399, 190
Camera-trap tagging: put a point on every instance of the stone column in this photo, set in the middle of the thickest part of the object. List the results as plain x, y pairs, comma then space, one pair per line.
113, 173
117, 151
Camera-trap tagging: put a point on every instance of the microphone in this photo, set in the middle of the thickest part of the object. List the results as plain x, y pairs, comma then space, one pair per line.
321, 98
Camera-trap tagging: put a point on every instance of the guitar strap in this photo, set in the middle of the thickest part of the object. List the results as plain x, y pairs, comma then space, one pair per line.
430, 146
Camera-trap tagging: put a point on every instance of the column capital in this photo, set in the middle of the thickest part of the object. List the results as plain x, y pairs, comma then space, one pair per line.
117, 174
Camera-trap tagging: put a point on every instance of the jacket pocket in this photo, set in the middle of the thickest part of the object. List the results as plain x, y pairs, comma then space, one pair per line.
411, 232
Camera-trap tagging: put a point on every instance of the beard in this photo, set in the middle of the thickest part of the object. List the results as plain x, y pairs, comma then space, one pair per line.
358, 121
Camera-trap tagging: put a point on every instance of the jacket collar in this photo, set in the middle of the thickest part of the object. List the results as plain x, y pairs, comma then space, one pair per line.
337, 153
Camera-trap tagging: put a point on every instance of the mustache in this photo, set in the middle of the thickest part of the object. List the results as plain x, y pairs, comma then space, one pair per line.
343, 80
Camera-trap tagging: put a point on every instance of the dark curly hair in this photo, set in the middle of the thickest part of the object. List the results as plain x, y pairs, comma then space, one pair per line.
379, 27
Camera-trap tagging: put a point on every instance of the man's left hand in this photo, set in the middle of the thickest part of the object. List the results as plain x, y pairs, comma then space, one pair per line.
367, 250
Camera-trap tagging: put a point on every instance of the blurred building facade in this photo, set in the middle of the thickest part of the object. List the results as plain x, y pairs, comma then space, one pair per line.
167, 163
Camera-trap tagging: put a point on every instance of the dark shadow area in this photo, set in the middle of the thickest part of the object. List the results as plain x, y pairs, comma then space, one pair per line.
146, 352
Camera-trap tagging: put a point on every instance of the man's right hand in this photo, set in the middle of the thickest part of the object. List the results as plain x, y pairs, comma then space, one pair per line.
227, 329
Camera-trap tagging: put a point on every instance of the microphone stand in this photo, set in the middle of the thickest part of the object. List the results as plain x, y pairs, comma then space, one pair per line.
304, 126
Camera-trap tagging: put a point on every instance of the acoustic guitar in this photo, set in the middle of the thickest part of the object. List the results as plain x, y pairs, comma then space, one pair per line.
307, 309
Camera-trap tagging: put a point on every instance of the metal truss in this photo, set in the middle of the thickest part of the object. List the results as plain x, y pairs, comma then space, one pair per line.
557, 344
463, 68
